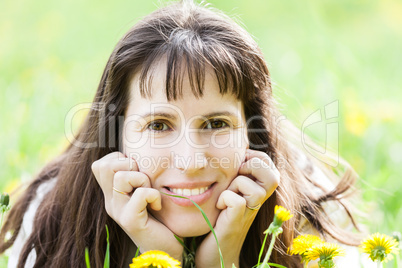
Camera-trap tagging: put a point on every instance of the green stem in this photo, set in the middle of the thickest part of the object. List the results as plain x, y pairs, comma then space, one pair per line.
305, 265
262, 248
271, 246
379, 264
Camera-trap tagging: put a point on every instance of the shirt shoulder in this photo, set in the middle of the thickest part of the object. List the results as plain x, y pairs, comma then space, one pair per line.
27, 225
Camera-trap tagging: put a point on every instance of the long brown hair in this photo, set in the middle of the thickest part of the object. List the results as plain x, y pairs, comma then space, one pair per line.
192, 37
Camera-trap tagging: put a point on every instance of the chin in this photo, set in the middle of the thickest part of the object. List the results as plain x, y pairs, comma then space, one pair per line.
191, 231
190, 224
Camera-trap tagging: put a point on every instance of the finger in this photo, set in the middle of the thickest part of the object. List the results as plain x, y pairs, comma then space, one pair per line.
98, 163
263, 174
142, 197
251, 191
105, 168
127, 181
233, 204
134, 216
124, 184
263, 156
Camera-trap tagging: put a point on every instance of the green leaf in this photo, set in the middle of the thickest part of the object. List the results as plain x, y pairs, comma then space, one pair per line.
137, 252
276, 265
206, 219
106, 264
262, 249
266, 265
87, 258
181, 242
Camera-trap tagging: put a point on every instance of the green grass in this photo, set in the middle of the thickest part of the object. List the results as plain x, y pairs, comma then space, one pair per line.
52, 54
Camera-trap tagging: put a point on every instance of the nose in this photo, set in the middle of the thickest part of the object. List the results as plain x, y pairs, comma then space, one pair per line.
190, 156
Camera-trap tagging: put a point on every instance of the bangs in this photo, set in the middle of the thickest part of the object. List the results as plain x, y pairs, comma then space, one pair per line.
187, 53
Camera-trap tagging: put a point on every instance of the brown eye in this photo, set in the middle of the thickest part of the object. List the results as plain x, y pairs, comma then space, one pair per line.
158, 126
216, 124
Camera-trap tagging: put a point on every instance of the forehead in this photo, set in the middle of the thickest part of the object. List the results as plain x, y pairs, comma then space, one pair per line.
187, 102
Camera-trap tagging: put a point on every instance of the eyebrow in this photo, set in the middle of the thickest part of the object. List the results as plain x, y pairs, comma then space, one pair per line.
173, 117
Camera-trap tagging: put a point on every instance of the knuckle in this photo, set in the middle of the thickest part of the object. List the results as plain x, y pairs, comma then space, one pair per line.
119, 176
255, 161
145, 182
140, 192
227, 193
274, 183
260, 193
241, 179
241, 202
141, 177
264, 157
260, 154
104, 165
237, 200
276, 180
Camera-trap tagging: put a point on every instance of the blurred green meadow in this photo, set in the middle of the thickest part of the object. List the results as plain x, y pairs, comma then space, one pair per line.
52, 54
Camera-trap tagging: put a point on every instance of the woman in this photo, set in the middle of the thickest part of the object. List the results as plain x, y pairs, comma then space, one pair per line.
184, 107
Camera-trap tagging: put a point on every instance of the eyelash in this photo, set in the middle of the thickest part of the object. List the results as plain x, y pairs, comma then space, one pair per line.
218, 120
226, 124
156, 122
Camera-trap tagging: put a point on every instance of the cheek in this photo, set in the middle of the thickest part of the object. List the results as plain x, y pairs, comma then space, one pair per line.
151, 161
227, 160
132, 140
234, 139
228, 151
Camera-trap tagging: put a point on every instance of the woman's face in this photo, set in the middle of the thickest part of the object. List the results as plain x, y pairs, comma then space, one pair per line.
189, 147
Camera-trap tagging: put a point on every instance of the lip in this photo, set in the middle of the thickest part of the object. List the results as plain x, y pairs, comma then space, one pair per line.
185, 202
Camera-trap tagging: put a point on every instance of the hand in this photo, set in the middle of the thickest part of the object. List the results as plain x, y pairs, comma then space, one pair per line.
257, 180
129, 206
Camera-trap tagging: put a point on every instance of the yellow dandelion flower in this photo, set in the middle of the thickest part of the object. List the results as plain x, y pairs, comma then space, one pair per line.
281, 215
380, 247
155, 259
302, 243
325, 252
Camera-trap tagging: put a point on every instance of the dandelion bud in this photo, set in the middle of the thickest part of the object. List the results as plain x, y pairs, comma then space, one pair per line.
5, 199
281, 215
397, 236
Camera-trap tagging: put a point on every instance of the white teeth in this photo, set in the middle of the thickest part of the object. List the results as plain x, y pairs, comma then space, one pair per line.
202, 190
186, 192
189, 192
195, 191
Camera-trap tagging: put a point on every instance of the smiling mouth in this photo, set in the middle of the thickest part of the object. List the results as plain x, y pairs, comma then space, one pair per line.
189, 192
